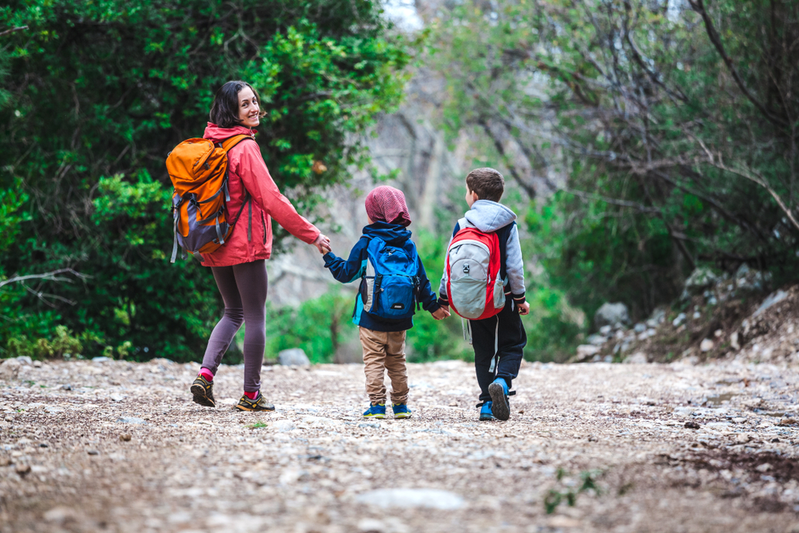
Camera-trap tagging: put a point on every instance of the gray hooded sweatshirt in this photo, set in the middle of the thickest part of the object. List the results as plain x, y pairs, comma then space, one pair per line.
488, 216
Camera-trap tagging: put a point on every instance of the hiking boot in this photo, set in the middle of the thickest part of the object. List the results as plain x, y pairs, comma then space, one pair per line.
203, 392
485, 411
401, 410
500, 407
258, 404
376, 410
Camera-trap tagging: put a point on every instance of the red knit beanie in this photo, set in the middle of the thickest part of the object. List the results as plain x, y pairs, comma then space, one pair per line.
387, 204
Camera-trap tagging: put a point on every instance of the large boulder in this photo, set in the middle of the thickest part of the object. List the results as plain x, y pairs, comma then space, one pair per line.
9, 369
293, 357
611, 315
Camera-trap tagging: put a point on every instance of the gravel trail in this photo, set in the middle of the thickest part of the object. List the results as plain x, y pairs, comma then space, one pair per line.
119, 447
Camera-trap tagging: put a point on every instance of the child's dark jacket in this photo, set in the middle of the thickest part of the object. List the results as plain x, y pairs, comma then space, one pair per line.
355, 267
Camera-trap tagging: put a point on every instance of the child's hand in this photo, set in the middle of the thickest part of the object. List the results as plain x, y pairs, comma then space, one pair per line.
524, 308
322, 244
441, 313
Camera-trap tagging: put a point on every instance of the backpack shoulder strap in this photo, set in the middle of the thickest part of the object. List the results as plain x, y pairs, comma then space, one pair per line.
503, 234
230, 142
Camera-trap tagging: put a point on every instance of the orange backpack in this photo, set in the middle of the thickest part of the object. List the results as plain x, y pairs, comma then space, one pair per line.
198, 169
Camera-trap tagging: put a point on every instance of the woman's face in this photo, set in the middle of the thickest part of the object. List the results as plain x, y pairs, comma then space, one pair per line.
249, 109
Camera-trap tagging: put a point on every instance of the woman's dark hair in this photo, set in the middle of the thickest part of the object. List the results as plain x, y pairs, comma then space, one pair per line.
225, 109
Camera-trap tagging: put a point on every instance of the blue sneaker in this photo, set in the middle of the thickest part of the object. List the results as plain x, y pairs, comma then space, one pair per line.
499, 399
377, 410
401, 410
485, 411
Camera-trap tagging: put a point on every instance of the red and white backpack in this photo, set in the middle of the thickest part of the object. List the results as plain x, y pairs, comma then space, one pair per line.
474, 283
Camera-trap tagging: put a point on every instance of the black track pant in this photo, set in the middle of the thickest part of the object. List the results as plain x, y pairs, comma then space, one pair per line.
507, 326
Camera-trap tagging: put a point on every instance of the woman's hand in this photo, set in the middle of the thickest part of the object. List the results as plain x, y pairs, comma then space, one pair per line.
322, 244
441, 313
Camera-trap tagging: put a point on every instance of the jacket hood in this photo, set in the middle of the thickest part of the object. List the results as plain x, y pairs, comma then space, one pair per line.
489, 216
393, 234
218, 134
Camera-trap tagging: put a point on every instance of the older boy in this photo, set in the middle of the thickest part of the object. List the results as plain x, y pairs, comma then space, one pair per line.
499, 340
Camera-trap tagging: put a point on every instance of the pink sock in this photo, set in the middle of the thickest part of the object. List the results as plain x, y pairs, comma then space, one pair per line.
251, 395
204, 372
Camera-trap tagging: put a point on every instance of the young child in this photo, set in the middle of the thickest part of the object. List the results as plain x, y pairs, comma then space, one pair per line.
499, 340
393, 282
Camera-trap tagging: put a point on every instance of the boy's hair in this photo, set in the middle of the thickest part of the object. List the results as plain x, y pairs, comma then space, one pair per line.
487, 183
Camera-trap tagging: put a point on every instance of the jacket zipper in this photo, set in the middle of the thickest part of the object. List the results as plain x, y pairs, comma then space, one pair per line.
263, 223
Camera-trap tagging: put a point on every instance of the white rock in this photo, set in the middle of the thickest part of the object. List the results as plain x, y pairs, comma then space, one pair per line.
772, 300
587, 350
638, 358
117, 397
706, 345
10, 369
765, 467
293, 357
408, 498
283, 425
678, 320
611, 314
605, 330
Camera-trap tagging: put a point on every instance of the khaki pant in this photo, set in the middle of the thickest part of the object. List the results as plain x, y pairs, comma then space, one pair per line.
384, 351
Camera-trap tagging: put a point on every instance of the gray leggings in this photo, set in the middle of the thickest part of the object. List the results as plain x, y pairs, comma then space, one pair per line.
243, 289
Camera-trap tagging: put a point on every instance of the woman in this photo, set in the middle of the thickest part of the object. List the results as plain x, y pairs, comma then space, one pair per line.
239, 265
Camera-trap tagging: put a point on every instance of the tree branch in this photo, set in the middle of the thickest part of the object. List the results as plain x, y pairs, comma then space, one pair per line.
699, 7
47, 276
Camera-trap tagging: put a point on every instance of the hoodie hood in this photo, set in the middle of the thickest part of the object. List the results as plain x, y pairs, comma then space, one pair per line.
216, 134
393, 234
489, 216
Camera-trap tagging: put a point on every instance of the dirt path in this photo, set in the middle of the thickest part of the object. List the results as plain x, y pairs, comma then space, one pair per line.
318, 467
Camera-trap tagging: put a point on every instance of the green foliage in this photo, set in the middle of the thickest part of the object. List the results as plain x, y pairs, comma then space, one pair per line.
567, 492
63, 344
97, 95
318, 326
668, 130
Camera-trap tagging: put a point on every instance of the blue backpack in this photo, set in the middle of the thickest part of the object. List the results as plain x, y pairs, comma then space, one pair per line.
391, 282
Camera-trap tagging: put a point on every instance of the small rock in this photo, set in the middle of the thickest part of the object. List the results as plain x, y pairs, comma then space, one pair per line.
131, 420
92, 452
678, 320
10, 369
59, 515
369, 425
370, 525
718, 333
117, 397
409, 498
699, 280
742, 438
611, 314
25, 360
283, 425
101, 359
706, 345
772, 300
125, 437
293, 357
639, 328
638, 358
683, 411
585, 351
596, 340
788, 422
43, 445
691, 425
557, 522
697, 315
605, 330
765, 467
23, 470
37, 364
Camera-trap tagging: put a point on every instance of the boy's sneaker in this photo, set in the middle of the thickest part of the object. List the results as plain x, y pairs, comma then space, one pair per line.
401, 410
258, 404
499, 399
203, 392
377, 410
485, 411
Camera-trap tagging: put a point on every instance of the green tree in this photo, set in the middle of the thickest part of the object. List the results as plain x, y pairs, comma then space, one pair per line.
99, 92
